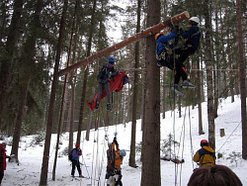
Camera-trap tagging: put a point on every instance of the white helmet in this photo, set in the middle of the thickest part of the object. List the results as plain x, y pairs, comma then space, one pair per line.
195, 19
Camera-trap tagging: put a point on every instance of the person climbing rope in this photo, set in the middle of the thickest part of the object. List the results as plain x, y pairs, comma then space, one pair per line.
192, 42
106, 73
165, 56
205, 156
114, 161
164, 49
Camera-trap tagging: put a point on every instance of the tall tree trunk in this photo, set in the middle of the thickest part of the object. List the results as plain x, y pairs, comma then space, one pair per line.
20, 116
6, 60
209, 66
132, 162
151, 132
83, 96
231, 77
45, 161
242, 73
71, 116
64, 94
27, 58
199, 99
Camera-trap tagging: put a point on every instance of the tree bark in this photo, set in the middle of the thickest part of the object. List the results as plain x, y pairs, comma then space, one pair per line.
132, 162
83, 95
199, 100
209, 66
45, 161
242, 78
64, 94
151, 133
6, 60
27, 58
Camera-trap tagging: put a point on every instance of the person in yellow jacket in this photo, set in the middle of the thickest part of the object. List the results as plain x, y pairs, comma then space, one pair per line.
205, 156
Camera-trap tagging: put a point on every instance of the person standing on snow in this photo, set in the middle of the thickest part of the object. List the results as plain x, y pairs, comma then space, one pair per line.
205, 156
76, 153
107, 72
3, 157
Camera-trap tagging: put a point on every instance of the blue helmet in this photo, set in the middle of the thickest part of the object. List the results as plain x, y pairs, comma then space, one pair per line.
111, 60
122, 153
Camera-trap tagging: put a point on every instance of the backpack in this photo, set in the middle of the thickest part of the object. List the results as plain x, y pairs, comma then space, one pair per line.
70, 156
104, 73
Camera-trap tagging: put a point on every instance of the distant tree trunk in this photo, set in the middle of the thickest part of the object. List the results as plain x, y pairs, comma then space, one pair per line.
9, 52
64, 94
242, 73
71, 116
199, 99
151, 132
27, 58
19, 119
209, 66
83, 96
231, 77
135, 92
45, 162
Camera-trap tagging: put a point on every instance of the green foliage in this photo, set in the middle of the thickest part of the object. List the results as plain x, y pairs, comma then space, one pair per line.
167, 147
38, 139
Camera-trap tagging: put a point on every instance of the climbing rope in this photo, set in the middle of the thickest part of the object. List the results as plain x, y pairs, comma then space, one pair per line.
229, 136
191, 145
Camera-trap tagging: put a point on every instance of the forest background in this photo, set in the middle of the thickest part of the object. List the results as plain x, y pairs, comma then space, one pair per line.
39, 38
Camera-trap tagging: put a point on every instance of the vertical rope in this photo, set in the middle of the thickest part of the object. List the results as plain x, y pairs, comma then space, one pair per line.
191, 145
174, 104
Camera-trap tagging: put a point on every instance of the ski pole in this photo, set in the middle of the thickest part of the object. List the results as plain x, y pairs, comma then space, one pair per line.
85, 166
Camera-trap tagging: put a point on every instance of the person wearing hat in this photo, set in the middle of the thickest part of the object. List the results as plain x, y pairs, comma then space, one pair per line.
115, 158
106, 73
192, 42
76, 153
205, 156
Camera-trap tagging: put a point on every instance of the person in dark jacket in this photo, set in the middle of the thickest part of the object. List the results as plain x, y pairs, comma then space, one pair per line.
76, 153
205, 156
107, 72
192, 43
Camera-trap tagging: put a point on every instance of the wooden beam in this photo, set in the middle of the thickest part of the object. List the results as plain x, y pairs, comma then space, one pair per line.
148, 32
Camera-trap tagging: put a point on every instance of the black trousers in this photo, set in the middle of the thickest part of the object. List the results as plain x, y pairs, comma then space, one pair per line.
179, 62
105, 86
75, 163
180, 68
1, 176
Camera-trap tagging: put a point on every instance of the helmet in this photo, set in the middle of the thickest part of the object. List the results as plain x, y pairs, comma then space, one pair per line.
158, 35
195, 19
77, 145
111, 60
122, 153
204, 142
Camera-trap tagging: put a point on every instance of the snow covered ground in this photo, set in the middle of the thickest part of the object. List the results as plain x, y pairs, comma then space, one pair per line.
94, 156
